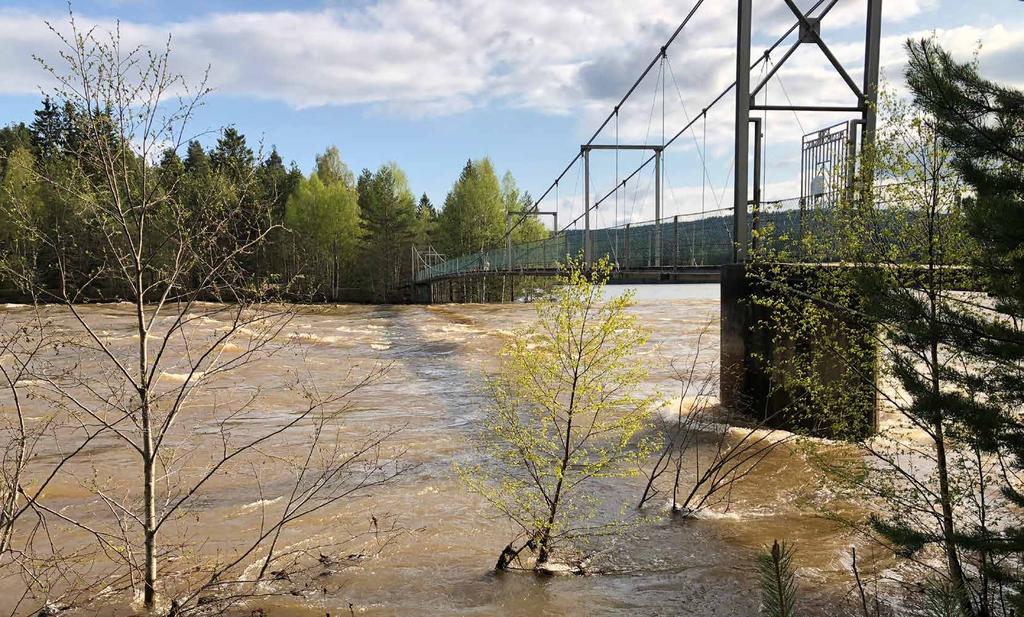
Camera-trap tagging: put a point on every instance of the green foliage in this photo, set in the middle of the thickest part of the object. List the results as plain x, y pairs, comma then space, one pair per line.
426, 222
374, 256
529, 229
332, 169
389, 221
778, 580
324, 218
473, 217
942, 600
21, 204
982, 123
232, 156
566, 412
907, 281
196, 160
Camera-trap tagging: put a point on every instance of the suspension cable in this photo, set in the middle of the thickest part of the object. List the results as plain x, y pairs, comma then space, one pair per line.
714, 102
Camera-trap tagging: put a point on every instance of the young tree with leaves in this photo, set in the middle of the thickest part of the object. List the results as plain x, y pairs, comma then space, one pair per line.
473, 216
566, 409
324, 222
332, 169
528, 228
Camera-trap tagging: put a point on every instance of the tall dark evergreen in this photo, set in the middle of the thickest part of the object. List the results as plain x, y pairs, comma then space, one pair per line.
982, 124
388, 211
426, 222
232, 156
171, 167
277, 182
196, 160
48, 130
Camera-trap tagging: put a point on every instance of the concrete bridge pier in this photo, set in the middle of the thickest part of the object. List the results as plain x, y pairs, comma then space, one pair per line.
757, 360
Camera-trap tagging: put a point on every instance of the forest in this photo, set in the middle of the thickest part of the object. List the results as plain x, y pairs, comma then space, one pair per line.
332, 236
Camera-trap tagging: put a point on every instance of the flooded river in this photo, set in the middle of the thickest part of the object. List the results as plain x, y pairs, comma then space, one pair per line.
441, 564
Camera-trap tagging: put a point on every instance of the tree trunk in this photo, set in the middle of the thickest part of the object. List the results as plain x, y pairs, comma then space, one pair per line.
148, 453
150, 530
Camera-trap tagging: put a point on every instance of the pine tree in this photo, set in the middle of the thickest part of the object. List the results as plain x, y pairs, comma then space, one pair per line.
276, 183
196, 160
231, 155
388, 211
171, 167
426, 222
778, 582
982, 124
47, 130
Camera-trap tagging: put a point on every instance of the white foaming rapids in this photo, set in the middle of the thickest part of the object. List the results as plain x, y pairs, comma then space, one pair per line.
181, 377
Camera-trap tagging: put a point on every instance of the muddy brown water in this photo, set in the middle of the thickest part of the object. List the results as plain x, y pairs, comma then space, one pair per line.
442, 564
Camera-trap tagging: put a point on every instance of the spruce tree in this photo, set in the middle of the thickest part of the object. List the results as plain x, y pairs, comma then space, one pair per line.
982, 124
47, 130
231, 155
196, 160
388, 211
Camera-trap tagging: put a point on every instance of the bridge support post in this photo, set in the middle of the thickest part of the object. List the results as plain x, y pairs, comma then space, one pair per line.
872, 45
586, 208
628, 264
755, 354
755, 204
657, 207
675, 241
508, 241
739, 195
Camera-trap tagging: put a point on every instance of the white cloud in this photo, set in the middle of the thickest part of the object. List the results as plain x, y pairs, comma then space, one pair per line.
421, 57
432, 57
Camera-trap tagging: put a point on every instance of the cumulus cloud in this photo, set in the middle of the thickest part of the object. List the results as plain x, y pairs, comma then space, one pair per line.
433, 57
420, 57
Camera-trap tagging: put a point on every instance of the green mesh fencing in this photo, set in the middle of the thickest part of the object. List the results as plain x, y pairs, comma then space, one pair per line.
676, 242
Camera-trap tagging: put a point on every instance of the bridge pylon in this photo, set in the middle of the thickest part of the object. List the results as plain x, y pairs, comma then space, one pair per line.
865, 105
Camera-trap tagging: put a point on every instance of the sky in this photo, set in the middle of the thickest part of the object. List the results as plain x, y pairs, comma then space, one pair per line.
431, 83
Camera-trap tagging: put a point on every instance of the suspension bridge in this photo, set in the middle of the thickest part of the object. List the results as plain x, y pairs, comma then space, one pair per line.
709, 240
702, 235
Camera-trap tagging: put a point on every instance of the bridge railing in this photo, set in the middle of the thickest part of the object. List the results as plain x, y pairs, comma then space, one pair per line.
686, 241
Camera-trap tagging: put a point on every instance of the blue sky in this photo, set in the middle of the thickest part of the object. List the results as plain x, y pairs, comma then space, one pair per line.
430, 83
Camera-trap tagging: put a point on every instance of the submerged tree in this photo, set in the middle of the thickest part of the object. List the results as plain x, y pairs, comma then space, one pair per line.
180, 255
703, 450
566, 412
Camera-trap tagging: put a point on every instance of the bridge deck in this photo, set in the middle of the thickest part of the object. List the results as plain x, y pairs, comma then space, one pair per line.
636, 275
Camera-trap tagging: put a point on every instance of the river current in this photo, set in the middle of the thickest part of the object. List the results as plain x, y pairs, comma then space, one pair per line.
442, 565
